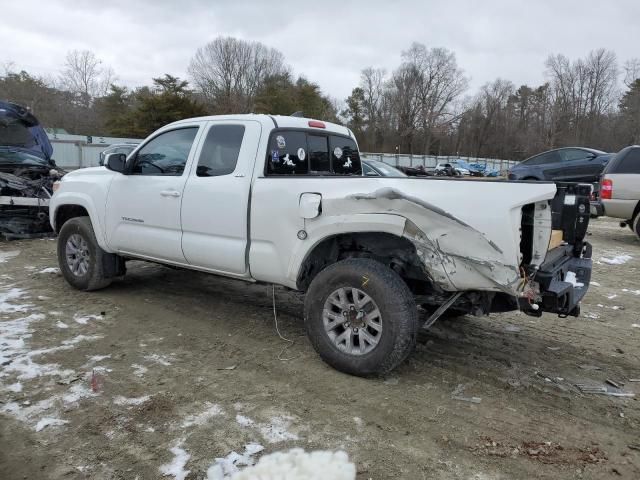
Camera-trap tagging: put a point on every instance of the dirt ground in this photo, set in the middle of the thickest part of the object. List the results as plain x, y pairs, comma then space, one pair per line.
169, 370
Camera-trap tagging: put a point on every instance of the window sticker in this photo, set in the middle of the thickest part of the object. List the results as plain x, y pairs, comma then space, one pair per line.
287, 161
275, 156
348, 163
280, 142
337, 152
301, 154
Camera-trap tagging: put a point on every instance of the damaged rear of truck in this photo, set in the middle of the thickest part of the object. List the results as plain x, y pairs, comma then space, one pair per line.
27, 173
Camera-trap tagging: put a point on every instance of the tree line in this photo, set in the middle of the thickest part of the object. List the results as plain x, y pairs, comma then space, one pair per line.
423, 106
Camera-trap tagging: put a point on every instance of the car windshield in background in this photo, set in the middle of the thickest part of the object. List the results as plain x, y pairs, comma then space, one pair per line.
384, 169
12, 157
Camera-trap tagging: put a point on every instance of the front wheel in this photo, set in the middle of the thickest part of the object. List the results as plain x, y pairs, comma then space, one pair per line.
361, 317
636, 226
80, 257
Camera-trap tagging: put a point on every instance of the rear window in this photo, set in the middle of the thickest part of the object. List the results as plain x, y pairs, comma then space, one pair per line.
300, 153
630, 163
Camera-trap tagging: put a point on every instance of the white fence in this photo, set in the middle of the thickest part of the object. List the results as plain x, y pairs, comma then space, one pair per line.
430, 161
75, 151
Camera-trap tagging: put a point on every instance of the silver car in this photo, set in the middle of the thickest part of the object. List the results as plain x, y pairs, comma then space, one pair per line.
620, 188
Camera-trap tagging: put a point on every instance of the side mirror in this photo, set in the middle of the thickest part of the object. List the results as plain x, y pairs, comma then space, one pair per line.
116, 162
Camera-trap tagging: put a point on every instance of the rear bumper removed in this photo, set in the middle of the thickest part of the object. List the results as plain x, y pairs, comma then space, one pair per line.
563, 280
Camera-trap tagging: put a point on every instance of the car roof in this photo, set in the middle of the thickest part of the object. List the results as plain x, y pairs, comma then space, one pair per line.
277, 121
586, 149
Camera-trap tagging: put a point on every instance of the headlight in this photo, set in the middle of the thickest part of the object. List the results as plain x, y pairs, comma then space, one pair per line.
55, 186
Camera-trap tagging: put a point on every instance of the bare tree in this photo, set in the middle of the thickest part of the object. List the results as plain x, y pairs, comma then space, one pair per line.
631, 71
372, 84
228, 72
84, 76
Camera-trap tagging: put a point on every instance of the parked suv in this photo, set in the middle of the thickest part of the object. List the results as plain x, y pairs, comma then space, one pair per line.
620, 188
571, 164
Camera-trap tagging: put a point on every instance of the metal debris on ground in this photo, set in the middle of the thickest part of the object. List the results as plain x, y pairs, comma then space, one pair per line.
614, 384
601, 390
457, 395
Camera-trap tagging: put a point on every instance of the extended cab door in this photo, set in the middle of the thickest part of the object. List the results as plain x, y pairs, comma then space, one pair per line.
216, 199
143, 205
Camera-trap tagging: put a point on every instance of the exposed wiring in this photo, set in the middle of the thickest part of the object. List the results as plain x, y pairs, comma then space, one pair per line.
275, 320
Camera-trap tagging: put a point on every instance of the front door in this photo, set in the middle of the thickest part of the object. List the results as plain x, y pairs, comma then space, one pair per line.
143, 205
216, 199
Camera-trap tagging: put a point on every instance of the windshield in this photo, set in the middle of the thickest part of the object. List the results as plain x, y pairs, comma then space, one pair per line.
12, 157
386, 170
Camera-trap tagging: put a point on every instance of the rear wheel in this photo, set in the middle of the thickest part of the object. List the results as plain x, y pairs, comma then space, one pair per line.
80, 257
361, 317
636, 225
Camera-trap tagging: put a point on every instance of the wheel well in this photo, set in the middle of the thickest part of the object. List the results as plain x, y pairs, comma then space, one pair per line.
67, 212
397, 253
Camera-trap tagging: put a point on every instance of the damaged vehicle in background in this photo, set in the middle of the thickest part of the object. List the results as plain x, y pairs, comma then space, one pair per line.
27, 174
283, 200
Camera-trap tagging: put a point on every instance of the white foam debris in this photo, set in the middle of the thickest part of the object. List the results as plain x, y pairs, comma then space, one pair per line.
10, 295
84, 319
571, 278
176, 467
54, 270
211, 410
224, 467
278, 429
612, 296
244, 421
139, 370
4, 256
60, 324
120, 400
47, 421
635, 325
158, 358
617, 260
594, 284
296, 464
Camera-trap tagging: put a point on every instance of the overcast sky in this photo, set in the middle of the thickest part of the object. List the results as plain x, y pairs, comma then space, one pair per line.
327, 41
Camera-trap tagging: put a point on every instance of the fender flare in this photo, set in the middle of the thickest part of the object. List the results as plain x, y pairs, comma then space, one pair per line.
83, 200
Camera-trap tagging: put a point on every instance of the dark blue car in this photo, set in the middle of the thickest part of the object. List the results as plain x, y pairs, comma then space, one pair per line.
570, 164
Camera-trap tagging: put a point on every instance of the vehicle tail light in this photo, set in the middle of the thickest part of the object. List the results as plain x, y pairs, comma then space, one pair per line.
606, 189
316, 124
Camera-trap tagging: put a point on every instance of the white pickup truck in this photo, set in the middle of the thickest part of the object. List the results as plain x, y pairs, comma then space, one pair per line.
283, 200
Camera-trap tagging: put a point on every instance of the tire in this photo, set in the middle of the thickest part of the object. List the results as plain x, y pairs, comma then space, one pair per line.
397, 321
73, 233
531, 179
636, 225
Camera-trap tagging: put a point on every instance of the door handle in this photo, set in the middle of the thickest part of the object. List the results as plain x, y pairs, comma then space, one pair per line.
170, 193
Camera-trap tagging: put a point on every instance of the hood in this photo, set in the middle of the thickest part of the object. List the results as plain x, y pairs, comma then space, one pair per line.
19, 129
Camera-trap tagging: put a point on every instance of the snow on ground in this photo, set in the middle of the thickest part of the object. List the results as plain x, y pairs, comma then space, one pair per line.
212, 410
46, 421
139, 370
84, 319
7, 296
229, 465
278, 429
159, 358
617, 260
176, 467
244, 421
295, 464
54, 270
120, 400
4, 256
60, 324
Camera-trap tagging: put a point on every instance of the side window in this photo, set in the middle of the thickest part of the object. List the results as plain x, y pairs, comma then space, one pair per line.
220, 151
318, 154
287, 154
573, 154
166, 154
630, 163
368, 171
345, 158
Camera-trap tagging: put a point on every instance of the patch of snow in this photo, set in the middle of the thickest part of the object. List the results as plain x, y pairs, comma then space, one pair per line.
54, 270
98, 358
635, 325
60, 324
512, 328
617, 260
77, 392
595, 316
224, 467
9, 295
84, 319
296, 464
139, 370
244, 421
120, 400
278, 429
212, 410
176, 467
635, 292
612, 296
4, 256
161, 359
595, 284
82, 338
45, 422
55, 313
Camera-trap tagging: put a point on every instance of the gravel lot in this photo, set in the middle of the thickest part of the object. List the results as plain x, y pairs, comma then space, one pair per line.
168, 370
